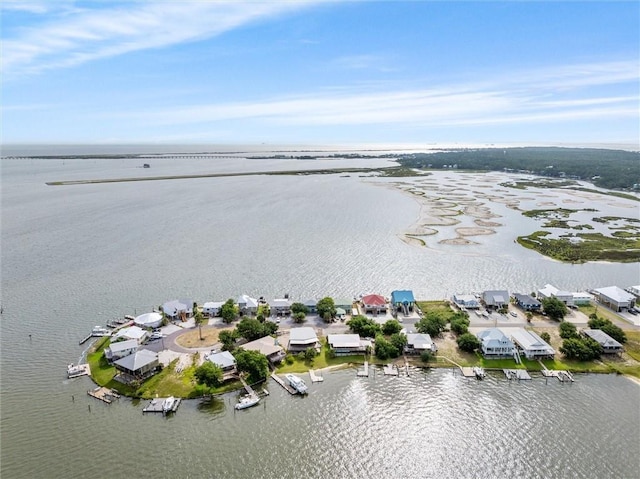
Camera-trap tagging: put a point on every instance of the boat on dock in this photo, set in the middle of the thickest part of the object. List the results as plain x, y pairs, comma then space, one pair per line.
247, 402
168, 404
479, 372
75, 371
297, 383
99, 331
163, 405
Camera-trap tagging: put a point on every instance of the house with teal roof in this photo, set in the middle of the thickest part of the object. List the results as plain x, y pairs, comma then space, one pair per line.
403, 300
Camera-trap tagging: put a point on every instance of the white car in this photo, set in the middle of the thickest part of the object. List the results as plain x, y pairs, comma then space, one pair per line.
514, 314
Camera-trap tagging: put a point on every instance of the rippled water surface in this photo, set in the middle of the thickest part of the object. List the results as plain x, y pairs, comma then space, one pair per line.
73, 257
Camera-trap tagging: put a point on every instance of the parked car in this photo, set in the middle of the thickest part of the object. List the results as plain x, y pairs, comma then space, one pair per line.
514, 314
633, 311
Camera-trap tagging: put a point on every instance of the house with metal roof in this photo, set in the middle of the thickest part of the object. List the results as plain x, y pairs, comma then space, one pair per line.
120, 349
374, 304
609, 345
418, 343
148, 320
178, 309
348, 344
527, 302
132, 332
267, 345
211, 309
466, 301
301, 339
280, 306
225, 361
550, 291
403, 300
531, 345
615, 298
312, 305
247, 305
137, 366
495, 344
495, 298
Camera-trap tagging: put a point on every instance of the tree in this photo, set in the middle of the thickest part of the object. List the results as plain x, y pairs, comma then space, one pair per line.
399, 341
299, 308
326, 308
432, 324
606, 326
253, 363
426, 356
385, 349
582, 349
545, 337
209, 374
568, 330
228, 339
468, 342
310, 354
250, 329
554, 308
198, 318
529, 316
460, 324
363, 326
391, 327
299, 317
228, 311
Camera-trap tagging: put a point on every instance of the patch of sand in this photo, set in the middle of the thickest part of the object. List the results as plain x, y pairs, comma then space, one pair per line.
488, 224
192, 339
421, 231
457, 241
471, 231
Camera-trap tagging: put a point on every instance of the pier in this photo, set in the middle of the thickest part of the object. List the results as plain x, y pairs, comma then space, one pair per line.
365, 372
563, 376
77, 371
467, 372
281, 382
519, 374
157, 405
104, 394
315, 378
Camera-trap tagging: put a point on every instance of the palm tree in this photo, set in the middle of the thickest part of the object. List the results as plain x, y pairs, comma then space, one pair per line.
198, 318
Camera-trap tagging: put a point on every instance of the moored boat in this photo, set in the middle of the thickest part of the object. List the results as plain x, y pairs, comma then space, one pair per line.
479, 372
247, 401
297, 383
168, 404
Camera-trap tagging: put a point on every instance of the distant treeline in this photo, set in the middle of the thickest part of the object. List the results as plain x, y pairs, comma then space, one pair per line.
612, 169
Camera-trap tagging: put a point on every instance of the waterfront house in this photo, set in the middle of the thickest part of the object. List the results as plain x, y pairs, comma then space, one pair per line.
312, 305
609, 345
550, 291
178, 309
527, 302
225, 361
531, 345
341, 314
300, 339
247, 305
615, 298
347, 344
137, 366
148, 320
211, 309
418, 343
495, 298
403, 300
582, 299
268, 346
344, 303
132, 332
120, 349
495, 344
374, 304
280, 306
466, 301
634, 290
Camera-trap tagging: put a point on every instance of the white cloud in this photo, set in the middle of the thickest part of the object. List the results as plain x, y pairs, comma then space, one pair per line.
555, 94
83, 35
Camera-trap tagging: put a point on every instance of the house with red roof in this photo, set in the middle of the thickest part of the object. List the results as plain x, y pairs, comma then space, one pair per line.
374, 303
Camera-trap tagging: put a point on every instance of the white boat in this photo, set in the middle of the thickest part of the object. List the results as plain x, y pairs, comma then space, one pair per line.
297, 383
247, 401
479, 372
99, 331
168, 404
74, 371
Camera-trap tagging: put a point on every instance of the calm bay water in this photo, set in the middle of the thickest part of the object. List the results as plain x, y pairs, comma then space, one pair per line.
73, 257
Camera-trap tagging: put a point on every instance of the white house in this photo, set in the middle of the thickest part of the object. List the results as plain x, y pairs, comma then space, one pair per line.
550, 291
300, 339
280, 306
148, 320
247, 304
178, 309
531, 345
615, 298
374, 303
466, 301
417, 343
347, 344
211, 309
138, 366
132, 332
495, 344
120, 349
634, 290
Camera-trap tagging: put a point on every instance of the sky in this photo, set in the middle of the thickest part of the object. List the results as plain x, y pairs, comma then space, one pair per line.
320, 72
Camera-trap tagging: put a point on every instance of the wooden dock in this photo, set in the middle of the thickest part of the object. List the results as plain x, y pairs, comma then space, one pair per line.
563, 376
315, 378
365, 372
77, 371
468, 372
520, 374
390, 370
281, 382
104, 394
84, 340
156, 405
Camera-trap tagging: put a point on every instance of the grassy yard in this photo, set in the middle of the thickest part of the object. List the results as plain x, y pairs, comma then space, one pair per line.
323, 360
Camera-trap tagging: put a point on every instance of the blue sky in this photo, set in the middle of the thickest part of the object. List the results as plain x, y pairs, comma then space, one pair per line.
317, 72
